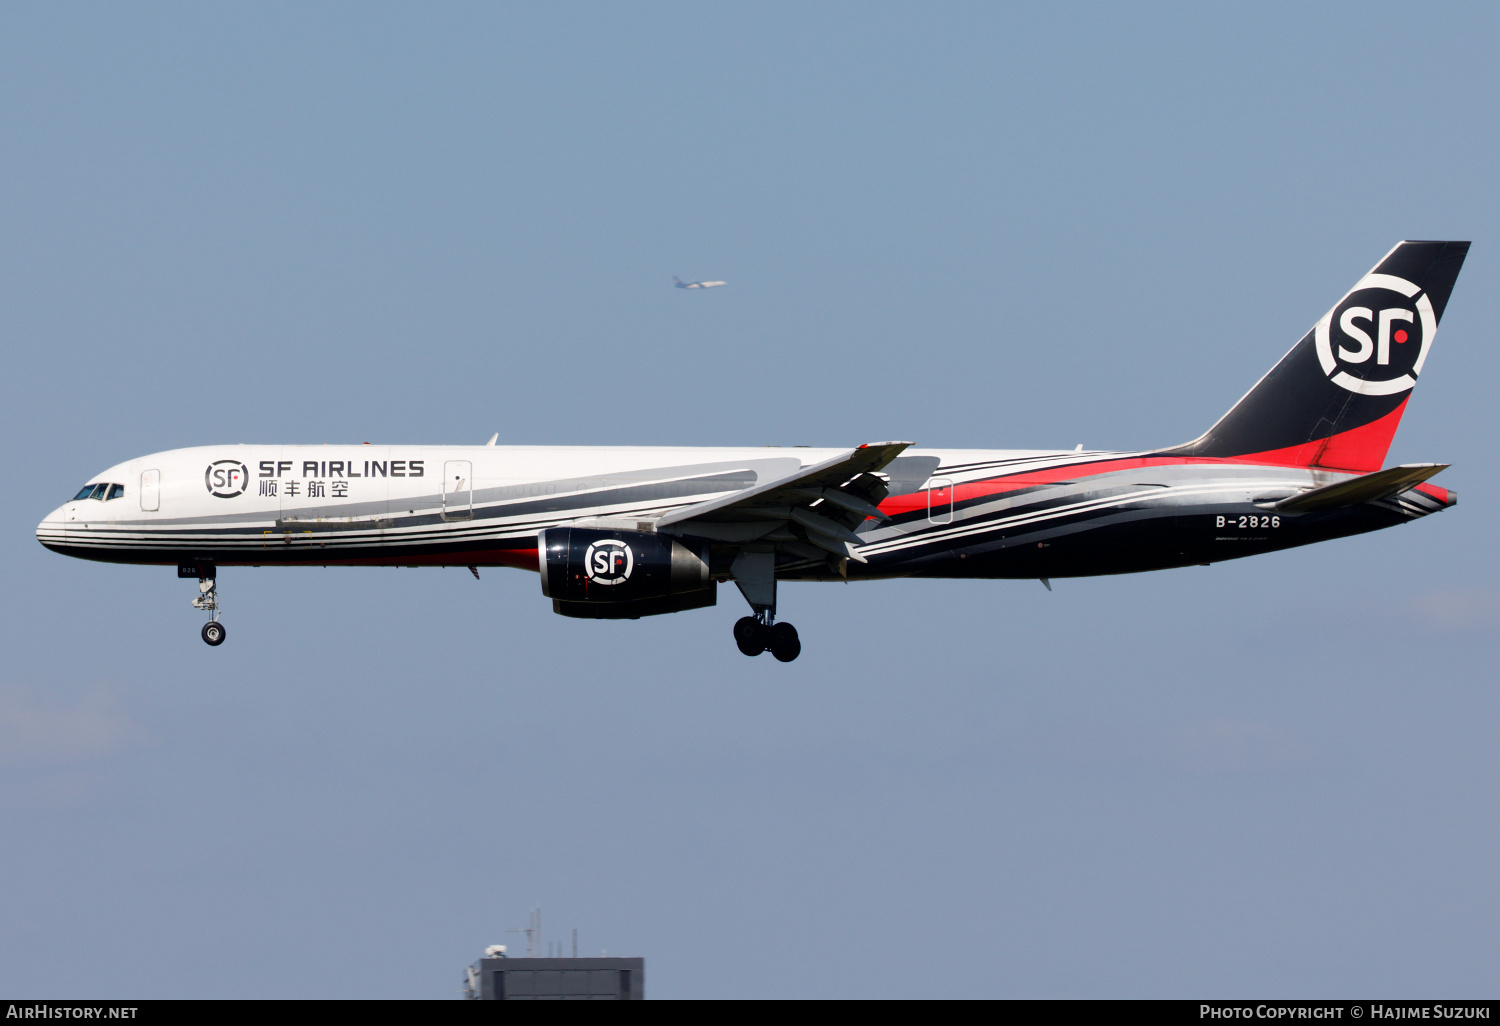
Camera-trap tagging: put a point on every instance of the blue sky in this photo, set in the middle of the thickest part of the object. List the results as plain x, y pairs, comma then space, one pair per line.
959, 224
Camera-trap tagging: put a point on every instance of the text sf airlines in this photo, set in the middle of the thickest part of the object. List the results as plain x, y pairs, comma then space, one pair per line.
624, 532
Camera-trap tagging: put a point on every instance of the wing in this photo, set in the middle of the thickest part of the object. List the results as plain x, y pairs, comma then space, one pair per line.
812, 513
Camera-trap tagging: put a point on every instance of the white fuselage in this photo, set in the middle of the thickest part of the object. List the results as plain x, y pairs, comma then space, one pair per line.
253, 504
963, 512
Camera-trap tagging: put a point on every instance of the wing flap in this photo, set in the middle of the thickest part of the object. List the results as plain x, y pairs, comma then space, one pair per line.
786, 491
810, 515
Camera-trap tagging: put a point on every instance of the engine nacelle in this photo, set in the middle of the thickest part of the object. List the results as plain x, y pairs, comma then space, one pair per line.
590, 572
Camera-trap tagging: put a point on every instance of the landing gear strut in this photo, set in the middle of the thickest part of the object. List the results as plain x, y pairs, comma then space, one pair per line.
756, 634
755, 575
208, 601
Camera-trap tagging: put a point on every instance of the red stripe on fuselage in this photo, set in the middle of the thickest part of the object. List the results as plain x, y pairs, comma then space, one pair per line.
1360, 450
1444, 495
1024, 479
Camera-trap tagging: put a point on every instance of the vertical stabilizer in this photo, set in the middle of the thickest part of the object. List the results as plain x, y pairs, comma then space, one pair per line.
1336, 399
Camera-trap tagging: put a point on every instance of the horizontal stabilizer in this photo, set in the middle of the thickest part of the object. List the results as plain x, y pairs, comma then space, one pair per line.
1369, 488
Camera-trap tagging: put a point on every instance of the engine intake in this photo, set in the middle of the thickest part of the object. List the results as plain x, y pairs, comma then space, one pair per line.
590, 572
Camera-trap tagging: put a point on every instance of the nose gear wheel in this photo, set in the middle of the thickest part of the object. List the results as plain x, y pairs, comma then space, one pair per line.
208, 601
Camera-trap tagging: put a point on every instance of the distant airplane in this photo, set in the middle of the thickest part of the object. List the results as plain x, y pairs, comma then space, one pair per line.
697, 284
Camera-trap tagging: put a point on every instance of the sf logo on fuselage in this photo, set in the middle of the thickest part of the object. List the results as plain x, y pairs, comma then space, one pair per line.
608, 561
1375, 341
226, 478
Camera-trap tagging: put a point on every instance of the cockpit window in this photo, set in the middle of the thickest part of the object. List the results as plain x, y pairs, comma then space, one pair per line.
100, 491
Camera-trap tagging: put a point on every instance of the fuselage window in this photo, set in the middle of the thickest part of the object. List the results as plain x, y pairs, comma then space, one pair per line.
116, 491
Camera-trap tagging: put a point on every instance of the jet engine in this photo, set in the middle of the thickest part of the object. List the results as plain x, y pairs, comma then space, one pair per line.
617, 575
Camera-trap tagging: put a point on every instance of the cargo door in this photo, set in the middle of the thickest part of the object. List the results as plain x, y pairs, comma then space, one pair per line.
458, 490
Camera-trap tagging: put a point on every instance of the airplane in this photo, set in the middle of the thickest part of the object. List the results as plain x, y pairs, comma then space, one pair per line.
625, 532
698, 284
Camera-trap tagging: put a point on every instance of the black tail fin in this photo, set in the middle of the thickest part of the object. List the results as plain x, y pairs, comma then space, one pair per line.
1336, 399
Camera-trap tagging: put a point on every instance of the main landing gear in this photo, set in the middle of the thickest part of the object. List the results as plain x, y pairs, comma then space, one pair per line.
755, 635
755, 575
208, 601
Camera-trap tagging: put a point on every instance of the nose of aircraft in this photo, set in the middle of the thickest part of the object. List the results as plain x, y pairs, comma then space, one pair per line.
50, 531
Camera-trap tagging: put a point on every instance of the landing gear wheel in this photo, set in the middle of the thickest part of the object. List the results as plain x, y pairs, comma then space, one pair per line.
784, 643
213, 632
750, 635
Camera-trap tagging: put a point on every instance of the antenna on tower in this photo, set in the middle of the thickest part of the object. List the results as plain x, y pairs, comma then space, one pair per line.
533, 932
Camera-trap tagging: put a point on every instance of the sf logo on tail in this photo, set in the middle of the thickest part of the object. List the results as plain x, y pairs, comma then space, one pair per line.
1375, 341
1349, 321
698, 284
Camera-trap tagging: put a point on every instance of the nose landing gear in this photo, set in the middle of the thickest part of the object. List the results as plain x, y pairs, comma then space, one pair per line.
207, 600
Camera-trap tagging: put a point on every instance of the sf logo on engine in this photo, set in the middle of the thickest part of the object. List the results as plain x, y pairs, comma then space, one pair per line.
1375, 341
608, 561
226, 478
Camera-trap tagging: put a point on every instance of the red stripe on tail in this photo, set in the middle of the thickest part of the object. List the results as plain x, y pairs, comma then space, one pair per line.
1360, 450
